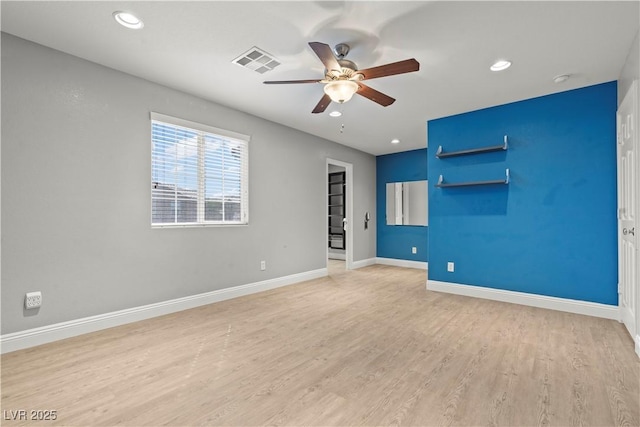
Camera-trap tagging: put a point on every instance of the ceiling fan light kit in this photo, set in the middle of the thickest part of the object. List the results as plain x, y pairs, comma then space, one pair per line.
341, 91
342, 77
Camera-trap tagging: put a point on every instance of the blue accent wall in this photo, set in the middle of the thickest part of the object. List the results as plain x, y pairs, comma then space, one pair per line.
395, 241
552, 230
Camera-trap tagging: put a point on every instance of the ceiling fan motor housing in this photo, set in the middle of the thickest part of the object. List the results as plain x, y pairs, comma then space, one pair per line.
345, 63
341, 50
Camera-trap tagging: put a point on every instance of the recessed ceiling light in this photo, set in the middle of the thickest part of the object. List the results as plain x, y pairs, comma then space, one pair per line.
561, 78
335, 113
128, 20
395, 141
500, 65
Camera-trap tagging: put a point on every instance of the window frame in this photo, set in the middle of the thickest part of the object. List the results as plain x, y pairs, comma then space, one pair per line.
203, 129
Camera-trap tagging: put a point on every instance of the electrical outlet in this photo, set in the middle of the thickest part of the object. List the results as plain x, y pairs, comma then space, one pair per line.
263, 265
450, 267
33, 300
414, 250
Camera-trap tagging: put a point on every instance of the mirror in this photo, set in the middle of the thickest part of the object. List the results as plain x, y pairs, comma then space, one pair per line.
407, 203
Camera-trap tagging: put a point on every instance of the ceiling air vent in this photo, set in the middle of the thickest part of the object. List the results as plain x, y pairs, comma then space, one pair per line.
257, 60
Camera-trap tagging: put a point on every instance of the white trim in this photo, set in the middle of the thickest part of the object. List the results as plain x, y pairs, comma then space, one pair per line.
637, 340
421, 265
199, 126
45, 334
364, 263
552, 303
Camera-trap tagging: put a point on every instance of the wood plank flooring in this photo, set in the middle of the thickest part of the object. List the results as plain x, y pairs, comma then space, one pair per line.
363, 347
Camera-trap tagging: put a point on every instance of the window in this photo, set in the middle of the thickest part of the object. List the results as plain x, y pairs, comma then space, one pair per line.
199, 174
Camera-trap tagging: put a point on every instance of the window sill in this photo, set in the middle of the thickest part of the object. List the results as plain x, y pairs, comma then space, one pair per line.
200, 225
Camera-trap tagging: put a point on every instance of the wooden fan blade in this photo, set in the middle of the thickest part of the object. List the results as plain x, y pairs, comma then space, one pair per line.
325, 54
289, 82
400, 67
322, 105
375, 96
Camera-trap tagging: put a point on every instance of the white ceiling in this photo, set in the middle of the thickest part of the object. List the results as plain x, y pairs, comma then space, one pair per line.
189, 46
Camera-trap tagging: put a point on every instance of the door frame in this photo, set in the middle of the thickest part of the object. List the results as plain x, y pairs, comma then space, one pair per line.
348, 212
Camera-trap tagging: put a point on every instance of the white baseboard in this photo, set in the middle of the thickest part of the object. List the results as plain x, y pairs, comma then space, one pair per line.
363, 263
422, 265
637, 340
541, 301
45, 334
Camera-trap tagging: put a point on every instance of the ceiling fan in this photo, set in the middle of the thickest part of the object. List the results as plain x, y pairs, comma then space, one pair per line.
342, 78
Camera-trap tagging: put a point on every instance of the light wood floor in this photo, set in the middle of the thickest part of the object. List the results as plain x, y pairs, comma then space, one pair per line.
364, 347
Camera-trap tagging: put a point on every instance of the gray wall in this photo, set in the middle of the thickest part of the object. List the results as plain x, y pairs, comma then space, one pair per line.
76, 194
631, 69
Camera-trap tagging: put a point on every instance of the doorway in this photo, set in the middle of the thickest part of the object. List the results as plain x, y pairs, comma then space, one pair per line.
336, 230
628, 258
339, 208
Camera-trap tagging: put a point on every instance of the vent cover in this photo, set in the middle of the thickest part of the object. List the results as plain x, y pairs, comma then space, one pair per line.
257, 60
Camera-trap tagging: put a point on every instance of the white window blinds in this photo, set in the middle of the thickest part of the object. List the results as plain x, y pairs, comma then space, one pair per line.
199, 174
